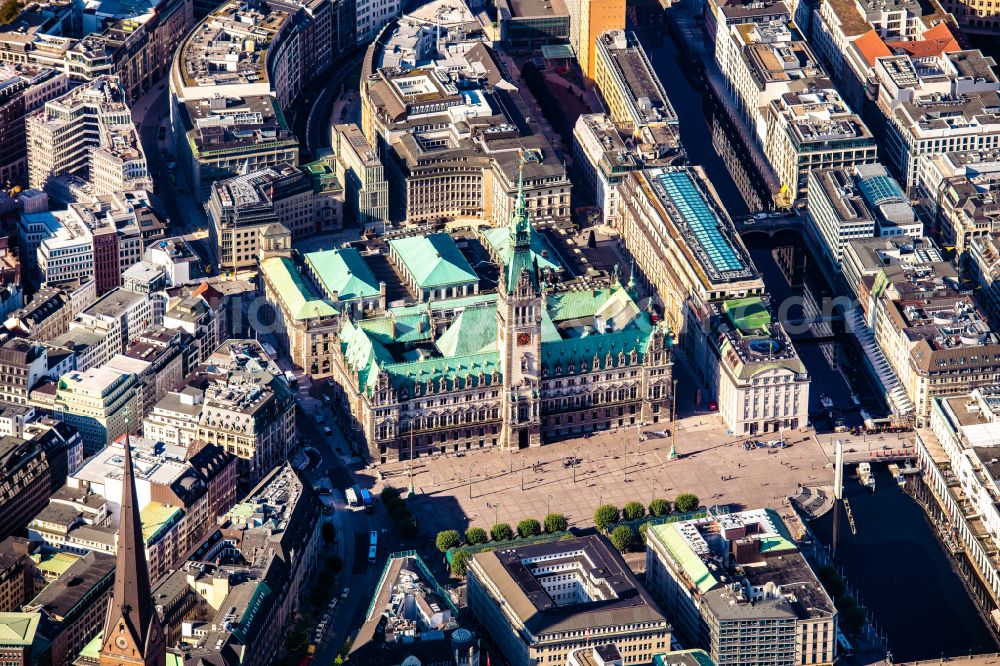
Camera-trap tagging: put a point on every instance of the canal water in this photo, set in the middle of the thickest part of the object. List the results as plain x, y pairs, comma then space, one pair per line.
900, 571
903, 574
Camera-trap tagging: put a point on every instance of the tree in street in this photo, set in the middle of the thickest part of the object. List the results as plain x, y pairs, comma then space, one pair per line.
556, 522
621, 537
501, 532
529, 527
633, 511
459, 562
659, 507
476, 535
447, 539
605, 515
686, 502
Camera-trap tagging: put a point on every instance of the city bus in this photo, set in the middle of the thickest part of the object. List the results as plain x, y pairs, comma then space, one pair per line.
372, 546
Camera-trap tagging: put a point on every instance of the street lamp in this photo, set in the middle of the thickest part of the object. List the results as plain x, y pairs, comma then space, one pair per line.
574, 464
547, 501
673, 423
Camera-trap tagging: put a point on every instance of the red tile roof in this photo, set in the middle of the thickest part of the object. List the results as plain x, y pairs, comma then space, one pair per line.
871, 47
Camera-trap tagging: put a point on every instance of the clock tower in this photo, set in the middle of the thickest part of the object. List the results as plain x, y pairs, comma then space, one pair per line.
133, 635
519, 334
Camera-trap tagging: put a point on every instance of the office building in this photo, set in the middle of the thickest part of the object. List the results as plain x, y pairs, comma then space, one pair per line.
372, 17
529, 24
842, 30
74, 607
227, 103
812, 128
100, 403
248, 576
247, 407
596, 17
685, 247
453, 133
33, 469
540, 602
933, 335
857, 202
958, 457
837, 212
629, 86
224, 137
412, 617
23, 89
736, 586
864, 259
936, 105
362, 177
958, 191
984, 268
87, 132
23, 363
242, 210
604, 153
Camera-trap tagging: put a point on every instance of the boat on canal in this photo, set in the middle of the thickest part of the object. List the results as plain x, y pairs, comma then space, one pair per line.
897, 474
865, 476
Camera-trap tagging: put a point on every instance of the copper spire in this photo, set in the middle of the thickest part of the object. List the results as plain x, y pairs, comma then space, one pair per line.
132, 602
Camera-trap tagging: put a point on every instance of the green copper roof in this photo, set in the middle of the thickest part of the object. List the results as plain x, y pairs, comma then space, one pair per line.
156, 518
577, 304
549, 331
344, 272
302, 301
18, 629
435, 370
682, 554
747, 314
434, 261
582, 350
520, 232
92, 650
783, 541
54, 561
413, 328
700, 657
474, 331
363, 353
499, 239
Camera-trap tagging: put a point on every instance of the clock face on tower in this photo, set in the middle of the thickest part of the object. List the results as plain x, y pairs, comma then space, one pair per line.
122, 643
523, 339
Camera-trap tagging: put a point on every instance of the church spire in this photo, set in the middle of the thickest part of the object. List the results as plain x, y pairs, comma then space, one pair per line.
520, 238
132, 627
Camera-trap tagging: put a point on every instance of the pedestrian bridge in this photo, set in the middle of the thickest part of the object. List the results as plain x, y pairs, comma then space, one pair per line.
769, 223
